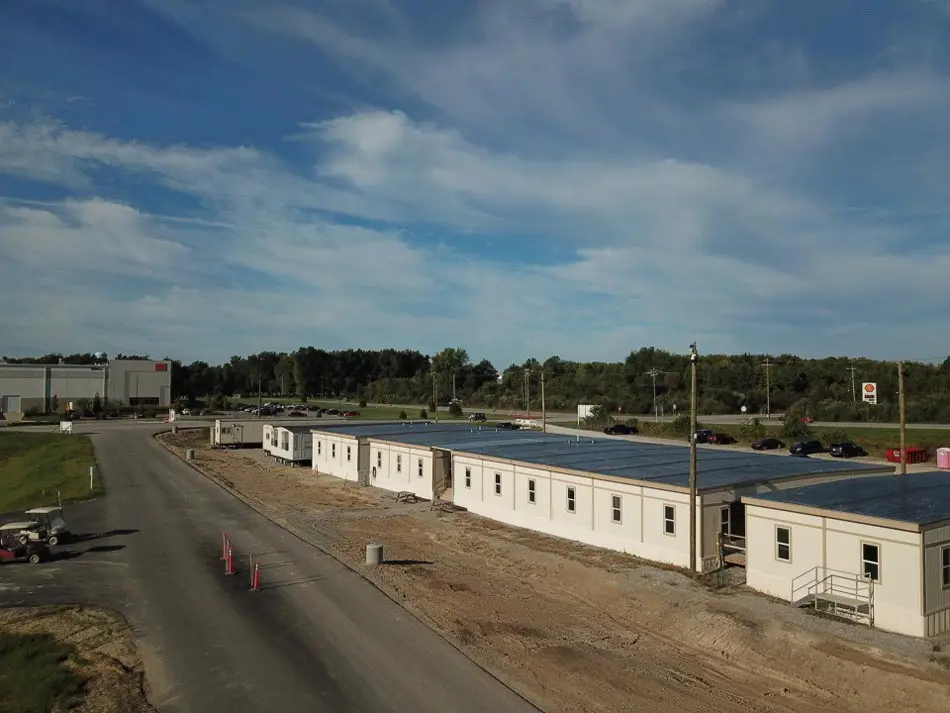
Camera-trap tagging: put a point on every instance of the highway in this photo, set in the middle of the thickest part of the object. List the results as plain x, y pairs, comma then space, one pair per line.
318, 638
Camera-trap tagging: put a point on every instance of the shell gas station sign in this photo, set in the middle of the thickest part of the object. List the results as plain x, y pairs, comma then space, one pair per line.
869, 392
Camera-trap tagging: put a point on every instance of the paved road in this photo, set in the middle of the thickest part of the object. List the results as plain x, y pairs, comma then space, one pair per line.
318, 638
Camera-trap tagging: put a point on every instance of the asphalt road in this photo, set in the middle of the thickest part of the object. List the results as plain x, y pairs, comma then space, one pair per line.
317, 638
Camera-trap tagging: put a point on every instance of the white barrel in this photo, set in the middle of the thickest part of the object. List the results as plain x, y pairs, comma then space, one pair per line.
374, 553
190, 454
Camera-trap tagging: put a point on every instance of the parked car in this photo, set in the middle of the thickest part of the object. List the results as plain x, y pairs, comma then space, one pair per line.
702, 436
620, 429
846, 449
477, 417
350, 414
720, 439
508, 426
805, 448
767, 444
808, 419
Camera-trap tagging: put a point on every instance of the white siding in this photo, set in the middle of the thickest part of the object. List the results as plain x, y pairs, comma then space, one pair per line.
227, 433
329, 455
268, 445
835, 545
640, 531
397, 468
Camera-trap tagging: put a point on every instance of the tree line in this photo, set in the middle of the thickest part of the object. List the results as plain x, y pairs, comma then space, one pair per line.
826, 389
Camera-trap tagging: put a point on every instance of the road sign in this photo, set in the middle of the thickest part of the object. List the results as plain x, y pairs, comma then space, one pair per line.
869, 392
744, 409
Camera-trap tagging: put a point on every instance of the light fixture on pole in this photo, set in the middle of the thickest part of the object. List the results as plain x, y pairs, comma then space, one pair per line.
693, 361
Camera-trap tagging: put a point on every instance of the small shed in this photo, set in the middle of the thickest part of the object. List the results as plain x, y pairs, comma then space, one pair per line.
875, 550
237, 434
270, 438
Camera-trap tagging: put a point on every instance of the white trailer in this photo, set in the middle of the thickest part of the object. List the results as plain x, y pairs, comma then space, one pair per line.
237, 434
294, 444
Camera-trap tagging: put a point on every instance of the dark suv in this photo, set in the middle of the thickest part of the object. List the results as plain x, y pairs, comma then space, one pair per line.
846, 449
805, 448
477, 417
620, 429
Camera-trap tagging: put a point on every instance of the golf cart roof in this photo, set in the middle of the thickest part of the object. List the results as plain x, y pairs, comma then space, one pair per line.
17, 525
43, 511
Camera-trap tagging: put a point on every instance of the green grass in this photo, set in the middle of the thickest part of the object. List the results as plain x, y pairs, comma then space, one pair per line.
34, 466
33, 677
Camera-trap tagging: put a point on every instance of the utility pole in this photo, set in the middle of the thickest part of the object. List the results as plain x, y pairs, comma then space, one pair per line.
854, 389
260, 393
654, 373
527, 392
544, 412
453, 385
768, 386
435, 396
693, 361
903, 415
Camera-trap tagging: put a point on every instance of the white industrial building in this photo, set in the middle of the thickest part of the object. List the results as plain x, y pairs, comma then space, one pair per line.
627, 496
132, 382
874, 549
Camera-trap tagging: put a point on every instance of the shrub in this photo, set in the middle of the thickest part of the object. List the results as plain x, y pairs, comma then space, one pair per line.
32, 412
362, 403
219, 402
681, 426
751, 429
54, 404
838, 436
455, 410
633, 423
423, 414
794, 427
403, 415
432, 407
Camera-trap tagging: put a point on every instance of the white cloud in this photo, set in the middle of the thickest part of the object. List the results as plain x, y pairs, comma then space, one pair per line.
621, 214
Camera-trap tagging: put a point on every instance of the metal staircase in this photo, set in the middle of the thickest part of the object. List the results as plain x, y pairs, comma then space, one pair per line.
842, 594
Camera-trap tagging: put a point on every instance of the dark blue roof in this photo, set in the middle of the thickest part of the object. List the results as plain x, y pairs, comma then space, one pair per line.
659, 463
364, 429
918, 498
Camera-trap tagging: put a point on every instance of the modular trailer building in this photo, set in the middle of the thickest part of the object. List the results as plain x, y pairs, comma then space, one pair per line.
133, 382
291, 443
627, 496
876, 549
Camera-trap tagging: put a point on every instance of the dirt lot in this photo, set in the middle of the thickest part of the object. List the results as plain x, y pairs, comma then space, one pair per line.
105, 654
578, 629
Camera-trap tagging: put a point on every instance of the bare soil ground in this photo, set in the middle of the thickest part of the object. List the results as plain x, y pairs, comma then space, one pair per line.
575, 628
106, 655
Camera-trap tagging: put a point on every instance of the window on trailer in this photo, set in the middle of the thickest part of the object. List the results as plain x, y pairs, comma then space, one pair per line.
571, 500
379, 459
333, 450
725, 522
319, 444
468, 477
349, 453
871, 561
616, 511
532, 491
945, 565
497, 483
669, 520
783, 544
399, 464
419, 468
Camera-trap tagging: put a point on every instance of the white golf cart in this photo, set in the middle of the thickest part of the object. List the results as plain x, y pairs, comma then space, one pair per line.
22, 532
52, 526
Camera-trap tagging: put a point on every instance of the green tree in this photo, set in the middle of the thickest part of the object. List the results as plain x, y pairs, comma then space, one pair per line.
794, 427
455, 410
752, 429
96, 405
54, 404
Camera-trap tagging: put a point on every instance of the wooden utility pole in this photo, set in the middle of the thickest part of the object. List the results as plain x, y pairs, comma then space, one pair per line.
527, 392
544, 411
435, 396
902, 404
768, 386
693, 360
854, 385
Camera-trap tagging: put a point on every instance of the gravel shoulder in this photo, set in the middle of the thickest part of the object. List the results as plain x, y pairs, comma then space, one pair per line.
105, 653
574, 628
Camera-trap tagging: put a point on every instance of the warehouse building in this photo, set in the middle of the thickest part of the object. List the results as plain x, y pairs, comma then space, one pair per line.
876, 550
130, 382
627, 496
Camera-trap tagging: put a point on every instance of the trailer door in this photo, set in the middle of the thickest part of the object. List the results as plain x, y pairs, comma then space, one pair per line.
238, 434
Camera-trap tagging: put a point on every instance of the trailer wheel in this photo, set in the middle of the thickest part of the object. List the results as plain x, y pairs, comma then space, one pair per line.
35, 558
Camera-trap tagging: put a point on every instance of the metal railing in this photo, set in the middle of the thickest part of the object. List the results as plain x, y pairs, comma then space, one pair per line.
842, 593
731, 543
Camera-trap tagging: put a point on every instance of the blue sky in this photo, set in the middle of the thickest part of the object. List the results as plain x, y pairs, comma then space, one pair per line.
572, 177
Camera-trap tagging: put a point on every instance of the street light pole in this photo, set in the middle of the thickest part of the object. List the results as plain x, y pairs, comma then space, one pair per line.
693, 361
653, 373
544, 412
902, 405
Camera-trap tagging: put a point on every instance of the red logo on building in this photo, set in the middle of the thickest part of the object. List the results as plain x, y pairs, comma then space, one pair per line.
161, 366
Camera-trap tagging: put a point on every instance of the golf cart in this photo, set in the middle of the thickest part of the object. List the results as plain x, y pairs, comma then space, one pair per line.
51, 527
12, 549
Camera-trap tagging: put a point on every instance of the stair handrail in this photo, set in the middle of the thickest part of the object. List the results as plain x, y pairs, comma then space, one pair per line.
816, 579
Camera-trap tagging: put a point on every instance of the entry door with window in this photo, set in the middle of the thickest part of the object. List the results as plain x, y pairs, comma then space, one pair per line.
239, 434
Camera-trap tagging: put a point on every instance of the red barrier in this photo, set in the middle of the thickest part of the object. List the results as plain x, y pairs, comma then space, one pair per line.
229, 561
256, 577
224, 546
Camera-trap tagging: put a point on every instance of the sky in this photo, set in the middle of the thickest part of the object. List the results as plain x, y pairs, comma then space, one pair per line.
205, 178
